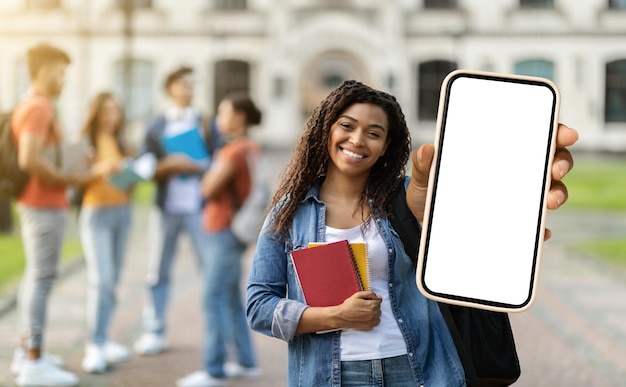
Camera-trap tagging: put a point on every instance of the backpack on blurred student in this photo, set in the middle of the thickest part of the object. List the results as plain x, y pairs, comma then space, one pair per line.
249, 216
12, 179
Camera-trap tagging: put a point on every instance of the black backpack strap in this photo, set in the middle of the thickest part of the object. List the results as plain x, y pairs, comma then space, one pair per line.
405, 224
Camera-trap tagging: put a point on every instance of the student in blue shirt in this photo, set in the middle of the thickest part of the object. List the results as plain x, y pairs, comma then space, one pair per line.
178, 201
350, 158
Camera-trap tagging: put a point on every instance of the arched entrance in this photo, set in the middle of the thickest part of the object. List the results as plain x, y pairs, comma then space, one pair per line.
325, 72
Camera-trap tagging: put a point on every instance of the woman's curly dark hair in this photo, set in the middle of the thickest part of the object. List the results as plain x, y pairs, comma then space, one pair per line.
310, 160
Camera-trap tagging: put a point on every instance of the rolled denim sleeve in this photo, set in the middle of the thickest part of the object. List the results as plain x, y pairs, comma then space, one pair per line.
268, 308
286, 318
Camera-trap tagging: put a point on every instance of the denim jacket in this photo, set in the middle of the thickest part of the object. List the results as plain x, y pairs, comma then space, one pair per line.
275, 304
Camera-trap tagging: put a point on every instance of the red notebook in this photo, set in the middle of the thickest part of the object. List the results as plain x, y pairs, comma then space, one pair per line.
327, 273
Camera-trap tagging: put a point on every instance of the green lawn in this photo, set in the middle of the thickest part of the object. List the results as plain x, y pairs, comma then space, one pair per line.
12, 262
611, 249
12, 254
596, 184
599, 185
144, 193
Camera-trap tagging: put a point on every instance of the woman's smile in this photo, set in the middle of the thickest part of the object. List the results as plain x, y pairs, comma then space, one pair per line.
352, 154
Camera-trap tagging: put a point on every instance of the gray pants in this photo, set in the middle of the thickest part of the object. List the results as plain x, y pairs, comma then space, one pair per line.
42, 236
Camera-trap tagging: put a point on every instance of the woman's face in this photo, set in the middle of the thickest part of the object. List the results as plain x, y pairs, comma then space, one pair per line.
358, 139
109, 115
229, 121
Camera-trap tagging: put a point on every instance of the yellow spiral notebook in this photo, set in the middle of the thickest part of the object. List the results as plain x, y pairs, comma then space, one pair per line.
359, 252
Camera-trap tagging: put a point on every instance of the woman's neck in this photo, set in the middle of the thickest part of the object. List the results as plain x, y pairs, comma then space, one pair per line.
340, 185
342, 197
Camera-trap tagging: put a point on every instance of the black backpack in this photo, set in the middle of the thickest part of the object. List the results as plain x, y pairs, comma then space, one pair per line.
12, 179
483, 339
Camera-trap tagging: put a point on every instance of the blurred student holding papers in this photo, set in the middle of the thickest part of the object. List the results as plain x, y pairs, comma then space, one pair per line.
350, 159
104, 221
177, 140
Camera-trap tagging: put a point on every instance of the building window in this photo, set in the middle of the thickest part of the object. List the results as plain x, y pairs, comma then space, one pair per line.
134, 83
615, 91
230, 76
332, 80
440, 4
134, 3
43, 4
536, 3
229, 4
535, 68
430, 75
617, 4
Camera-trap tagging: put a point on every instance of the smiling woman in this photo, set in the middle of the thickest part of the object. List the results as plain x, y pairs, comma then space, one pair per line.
338, 187
348, 164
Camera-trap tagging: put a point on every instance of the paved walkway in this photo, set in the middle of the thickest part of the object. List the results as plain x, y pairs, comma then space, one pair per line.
574, 335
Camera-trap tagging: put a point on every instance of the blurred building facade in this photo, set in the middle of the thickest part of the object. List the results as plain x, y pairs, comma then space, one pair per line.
289, 53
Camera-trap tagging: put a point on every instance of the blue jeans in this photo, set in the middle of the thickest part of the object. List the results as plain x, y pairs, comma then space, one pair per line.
104, 236
163, 242
42, 235
222, 300
392, 371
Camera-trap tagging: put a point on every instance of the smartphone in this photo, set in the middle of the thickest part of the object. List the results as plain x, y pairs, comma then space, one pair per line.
484, 219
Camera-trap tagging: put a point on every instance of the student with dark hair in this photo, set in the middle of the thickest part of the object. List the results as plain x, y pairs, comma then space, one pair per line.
350, 159
42, 208
227, 184
178, 201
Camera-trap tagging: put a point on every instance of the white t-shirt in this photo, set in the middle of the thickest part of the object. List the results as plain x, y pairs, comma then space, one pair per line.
385, 340
183, 192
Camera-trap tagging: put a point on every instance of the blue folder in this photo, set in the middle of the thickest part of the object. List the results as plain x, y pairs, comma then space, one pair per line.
189, 143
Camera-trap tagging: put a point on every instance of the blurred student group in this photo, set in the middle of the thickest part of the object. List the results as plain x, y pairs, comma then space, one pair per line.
203, 171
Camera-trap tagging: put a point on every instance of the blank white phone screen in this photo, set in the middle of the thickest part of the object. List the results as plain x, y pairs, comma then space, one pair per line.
488, 199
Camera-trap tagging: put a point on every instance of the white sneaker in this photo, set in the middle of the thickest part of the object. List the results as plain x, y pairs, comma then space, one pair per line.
115, 353
42, 373
94, 361
235, 370
201, 379
19, 358
150, 344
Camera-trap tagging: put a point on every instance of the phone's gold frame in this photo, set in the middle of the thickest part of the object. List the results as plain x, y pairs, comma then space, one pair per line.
483, 304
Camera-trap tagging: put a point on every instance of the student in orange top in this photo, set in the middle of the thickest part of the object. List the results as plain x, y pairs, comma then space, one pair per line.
42, 209
104, 222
